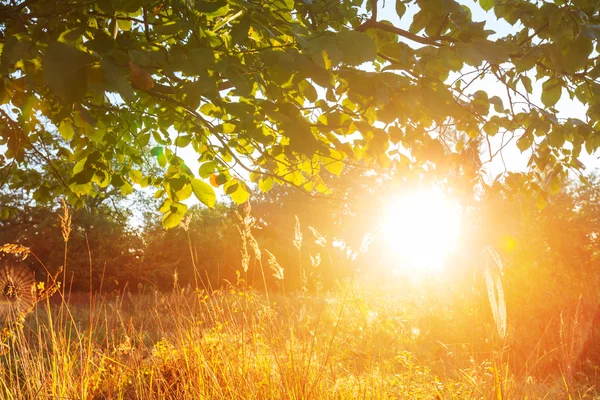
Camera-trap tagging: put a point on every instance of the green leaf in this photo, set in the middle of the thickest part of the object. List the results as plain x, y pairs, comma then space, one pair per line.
184, 193
83, 177
101, 43
576, 57
174, 216
287, 5
204, 192
592, 31
212, 9
206, 169
400, 8
551, 92
497, 102
162, 160
481, 103
252, 69
265, 184
115, 80
308, 91
231, 187
101, 178
124, 24
135, 176
525, 141
66, 130
529, 59
79, 165
240, 196
65, 71
237, 76
487, 5
333, 165
357, 47
480, 50
157, 151
183, 141
526, 81
165, 206
126, 188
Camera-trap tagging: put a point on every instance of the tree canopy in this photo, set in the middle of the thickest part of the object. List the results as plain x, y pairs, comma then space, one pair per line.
105, 95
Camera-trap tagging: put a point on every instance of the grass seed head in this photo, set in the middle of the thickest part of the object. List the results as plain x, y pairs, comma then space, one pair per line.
65, 221
297, 235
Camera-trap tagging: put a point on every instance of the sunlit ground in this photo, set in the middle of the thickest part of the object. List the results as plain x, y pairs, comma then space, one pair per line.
421, 229
435, 340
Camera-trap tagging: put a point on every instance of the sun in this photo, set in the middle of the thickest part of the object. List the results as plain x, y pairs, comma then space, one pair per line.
421, 229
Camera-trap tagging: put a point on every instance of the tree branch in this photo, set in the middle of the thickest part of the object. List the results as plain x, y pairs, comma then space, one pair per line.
24, 4
13, 126
430, 41
374, 10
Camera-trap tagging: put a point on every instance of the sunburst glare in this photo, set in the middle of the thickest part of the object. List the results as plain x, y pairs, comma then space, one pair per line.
421, 229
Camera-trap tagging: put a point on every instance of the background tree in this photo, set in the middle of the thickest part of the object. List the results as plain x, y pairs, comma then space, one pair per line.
208, 246
100, 235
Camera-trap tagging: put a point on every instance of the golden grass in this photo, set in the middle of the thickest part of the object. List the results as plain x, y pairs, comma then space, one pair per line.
232, 344
237, 343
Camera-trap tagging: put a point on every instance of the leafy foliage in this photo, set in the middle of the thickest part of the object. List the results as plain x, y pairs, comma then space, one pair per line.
275, 92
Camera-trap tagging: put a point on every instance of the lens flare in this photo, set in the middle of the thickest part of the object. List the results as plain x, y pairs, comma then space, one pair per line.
421, 230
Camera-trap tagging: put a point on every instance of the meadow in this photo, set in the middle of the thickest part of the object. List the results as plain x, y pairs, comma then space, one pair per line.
350, 343
443, 336
360, 339
365, 337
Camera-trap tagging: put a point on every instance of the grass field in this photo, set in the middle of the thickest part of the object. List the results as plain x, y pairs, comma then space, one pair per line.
346, 344
371, 339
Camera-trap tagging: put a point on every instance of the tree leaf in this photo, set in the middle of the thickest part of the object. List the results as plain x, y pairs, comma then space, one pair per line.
65, 71
487, 5
140, 78
135, 176
525, 141
357, 47
551, 92
85, 176
526, 81
240, 196
335, 166
183, 140
497, 102
115, 80
172, 219
66, 130
125, 79
265, 184
206, 169
204, 192
400, 8
308, 91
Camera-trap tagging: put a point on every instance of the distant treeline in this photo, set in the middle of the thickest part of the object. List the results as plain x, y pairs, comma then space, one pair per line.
124, 245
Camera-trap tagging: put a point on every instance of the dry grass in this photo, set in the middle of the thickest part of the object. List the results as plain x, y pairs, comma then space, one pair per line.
238, 343
232, 344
